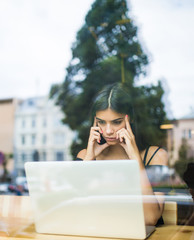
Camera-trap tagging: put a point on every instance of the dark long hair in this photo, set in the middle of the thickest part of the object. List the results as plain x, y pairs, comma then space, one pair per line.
117, 98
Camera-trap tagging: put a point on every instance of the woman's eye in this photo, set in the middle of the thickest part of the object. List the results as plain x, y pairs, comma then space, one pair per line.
101, 122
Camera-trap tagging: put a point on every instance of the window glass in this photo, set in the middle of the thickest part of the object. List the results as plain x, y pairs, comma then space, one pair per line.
23, 139
44, 139
145, 46
23, 123
184, 133
44, 156
189, 134
23, 157
59, 156
44, 122
33, 122
33, 139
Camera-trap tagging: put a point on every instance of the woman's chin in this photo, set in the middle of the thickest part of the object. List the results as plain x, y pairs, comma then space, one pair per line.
111, 143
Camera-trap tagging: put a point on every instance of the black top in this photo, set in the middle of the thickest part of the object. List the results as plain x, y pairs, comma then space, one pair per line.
145, 156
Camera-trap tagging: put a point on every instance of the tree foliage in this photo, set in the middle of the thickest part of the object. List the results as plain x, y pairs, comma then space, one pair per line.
107, 51
183, 160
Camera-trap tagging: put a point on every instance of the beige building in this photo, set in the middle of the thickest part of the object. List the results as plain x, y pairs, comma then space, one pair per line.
181, 128
7, 114
7, 118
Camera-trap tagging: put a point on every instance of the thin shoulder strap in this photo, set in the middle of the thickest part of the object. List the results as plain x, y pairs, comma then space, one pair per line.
152, 156
145, 156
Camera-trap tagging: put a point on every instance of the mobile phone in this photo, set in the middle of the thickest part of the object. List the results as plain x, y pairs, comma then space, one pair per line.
102, 140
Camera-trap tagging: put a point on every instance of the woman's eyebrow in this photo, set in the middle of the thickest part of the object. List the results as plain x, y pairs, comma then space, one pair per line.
99, 119
111, 120
117, 119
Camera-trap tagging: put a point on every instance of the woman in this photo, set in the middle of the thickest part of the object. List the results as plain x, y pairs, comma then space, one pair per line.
111, 137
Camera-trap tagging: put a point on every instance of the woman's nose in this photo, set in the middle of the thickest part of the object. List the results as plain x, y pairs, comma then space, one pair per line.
109, 129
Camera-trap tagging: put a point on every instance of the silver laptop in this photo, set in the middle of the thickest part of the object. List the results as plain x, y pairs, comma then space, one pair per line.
87, 198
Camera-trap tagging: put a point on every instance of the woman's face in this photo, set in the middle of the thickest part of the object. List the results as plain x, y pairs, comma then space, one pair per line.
110, 122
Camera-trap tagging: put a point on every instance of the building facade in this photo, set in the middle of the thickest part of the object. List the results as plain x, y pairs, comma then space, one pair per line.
40, 134
182, 128
7, 112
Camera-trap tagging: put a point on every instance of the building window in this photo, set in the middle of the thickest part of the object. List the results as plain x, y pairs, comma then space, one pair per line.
23, 123
30, 103
35, 156
23, 140
184, 133
33, 139
189, 134
44, 156
59, 156
44, 139
44, 122
33, 122
23, 157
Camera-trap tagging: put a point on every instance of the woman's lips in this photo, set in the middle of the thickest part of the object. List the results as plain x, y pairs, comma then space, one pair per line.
110, 139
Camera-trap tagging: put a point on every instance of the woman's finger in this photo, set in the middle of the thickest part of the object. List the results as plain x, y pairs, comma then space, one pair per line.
128, 126
127, 123
124, 131
97, 138
124, 136
95, 129
95, 134
121, 138
118, 132
94, 124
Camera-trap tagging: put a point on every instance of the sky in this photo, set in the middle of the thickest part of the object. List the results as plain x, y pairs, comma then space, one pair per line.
36, 38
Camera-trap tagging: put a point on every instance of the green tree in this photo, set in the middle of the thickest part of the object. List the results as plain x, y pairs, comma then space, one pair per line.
4, 159
106, 51
181, 164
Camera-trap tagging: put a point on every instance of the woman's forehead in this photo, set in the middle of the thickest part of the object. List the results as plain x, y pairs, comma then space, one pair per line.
109, 114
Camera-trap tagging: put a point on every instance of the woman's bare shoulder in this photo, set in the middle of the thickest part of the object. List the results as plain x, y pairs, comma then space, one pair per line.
82, 154
160, 158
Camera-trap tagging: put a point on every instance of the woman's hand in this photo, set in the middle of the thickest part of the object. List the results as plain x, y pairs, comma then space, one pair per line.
94, 148
127, 141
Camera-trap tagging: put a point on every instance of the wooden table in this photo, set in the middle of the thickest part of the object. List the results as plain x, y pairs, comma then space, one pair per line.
16, 222
20, 228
